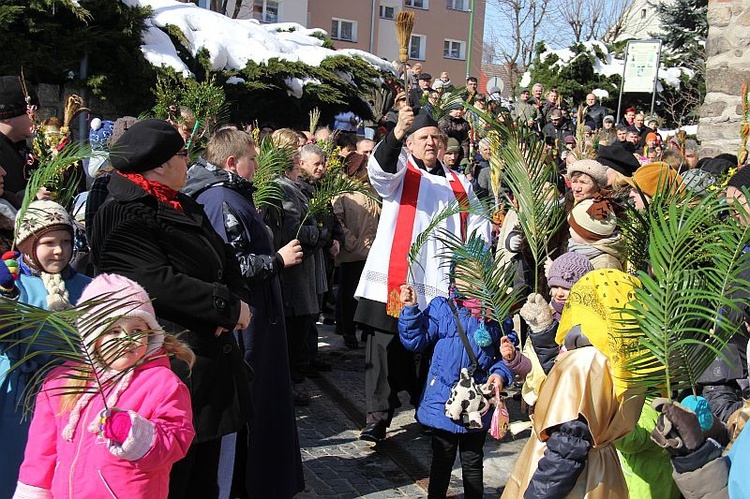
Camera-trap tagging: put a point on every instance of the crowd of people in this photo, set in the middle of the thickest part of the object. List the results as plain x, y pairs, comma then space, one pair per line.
215, 301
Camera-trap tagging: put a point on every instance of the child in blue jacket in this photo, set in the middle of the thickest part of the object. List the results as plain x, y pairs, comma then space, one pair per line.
437, 326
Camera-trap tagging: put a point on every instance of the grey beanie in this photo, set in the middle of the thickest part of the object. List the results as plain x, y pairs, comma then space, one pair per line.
567, 269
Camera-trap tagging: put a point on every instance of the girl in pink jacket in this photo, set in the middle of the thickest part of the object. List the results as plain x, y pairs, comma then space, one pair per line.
77, 447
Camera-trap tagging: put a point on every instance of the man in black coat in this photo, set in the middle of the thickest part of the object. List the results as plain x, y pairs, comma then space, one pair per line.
149, 232
16, 126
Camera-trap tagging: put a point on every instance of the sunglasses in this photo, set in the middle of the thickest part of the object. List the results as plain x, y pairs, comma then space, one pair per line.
181, 153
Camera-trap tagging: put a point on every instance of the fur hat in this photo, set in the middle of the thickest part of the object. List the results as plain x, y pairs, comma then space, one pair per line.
41, 217
12, 99
567, 269
593, 219
618, 158
146, 145
609, 118
592, 168
654, 177
123, 298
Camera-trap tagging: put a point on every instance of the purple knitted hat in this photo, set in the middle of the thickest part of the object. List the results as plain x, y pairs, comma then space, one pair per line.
567, 269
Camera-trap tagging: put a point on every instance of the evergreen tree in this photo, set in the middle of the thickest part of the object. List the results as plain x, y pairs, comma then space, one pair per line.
48, 39
684, 25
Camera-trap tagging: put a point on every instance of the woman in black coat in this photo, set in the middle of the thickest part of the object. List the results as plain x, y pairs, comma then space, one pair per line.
150, 233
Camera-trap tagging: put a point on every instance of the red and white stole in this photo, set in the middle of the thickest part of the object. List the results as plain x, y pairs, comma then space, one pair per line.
398, 264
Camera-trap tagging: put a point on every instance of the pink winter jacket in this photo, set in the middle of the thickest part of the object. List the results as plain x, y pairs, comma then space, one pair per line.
87, 467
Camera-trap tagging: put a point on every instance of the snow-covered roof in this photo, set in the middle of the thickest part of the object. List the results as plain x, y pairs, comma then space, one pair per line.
231, 43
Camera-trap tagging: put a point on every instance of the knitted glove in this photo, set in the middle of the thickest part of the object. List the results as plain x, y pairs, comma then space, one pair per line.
9, 274
115, 425
537, 313
677, 428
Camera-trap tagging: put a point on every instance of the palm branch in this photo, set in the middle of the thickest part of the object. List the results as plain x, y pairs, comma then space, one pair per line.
38, 337
314, 119
475, 208
531, 176
272, 162
334, 183
477, 274
684, 314
60, 173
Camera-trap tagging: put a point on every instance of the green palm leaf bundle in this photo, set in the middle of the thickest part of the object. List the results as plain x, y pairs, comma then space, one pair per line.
477, 275
684, 313
334, 183
272, 163
42, 340
59, 173
475, 208
529, 173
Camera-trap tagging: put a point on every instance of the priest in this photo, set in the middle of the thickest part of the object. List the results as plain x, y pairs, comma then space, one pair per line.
415, 186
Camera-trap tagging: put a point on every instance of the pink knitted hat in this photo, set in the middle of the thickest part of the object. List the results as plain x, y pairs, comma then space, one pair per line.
122, 298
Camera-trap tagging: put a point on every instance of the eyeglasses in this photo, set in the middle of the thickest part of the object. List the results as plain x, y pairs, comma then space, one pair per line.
181, 153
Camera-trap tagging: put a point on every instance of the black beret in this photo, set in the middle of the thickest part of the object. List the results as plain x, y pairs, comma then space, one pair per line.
421, 120
425, 76
12, 98
146, 145
618, 158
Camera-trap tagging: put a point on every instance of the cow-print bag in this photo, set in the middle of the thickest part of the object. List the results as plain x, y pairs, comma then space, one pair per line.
460, 388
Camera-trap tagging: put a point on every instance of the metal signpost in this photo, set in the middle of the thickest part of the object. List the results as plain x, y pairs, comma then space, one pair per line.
641, 70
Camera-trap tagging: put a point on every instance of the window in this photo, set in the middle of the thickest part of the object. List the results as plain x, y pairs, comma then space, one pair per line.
454, 49
417, 4
417, 46
266, 11
343, 29
458, 5
387, 12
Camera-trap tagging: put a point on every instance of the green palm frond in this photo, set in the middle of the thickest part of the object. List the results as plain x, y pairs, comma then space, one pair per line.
334, 183
684, 312
476, 208
531, 177
60, 174
42, 339
447, 101
272, 162
314, 119
477, 274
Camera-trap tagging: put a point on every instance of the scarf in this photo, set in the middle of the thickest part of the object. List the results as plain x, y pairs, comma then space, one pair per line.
160, 191
584, 249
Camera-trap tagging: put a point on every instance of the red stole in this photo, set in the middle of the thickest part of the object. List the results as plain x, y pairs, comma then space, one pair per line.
398, 264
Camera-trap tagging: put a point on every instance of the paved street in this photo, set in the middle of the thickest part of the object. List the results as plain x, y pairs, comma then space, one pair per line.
337, 464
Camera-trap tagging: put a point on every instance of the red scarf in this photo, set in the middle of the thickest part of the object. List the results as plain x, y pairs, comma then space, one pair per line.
157, 189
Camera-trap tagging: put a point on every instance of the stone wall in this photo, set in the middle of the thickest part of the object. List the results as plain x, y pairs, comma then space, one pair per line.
727, 66
52, 103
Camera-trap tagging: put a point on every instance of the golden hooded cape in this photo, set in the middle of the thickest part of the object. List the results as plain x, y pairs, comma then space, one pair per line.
583, 383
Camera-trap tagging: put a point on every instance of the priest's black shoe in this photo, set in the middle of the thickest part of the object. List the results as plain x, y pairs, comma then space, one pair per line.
373, 432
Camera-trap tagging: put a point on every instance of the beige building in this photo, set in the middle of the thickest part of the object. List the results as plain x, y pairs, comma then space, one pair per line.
440, 40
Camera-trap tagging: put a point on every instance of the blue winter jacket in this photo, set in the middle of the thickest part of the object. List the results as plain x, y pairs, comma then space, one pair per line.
437, 326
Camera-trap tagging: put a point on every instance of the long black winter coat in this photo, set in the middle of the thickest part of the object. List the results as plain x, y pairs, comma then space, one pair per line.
195, 282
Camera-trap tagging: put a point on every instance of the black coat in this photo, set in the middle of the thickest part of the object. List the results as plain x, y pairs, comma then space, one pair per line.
272, 447
13, 159
195, 282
